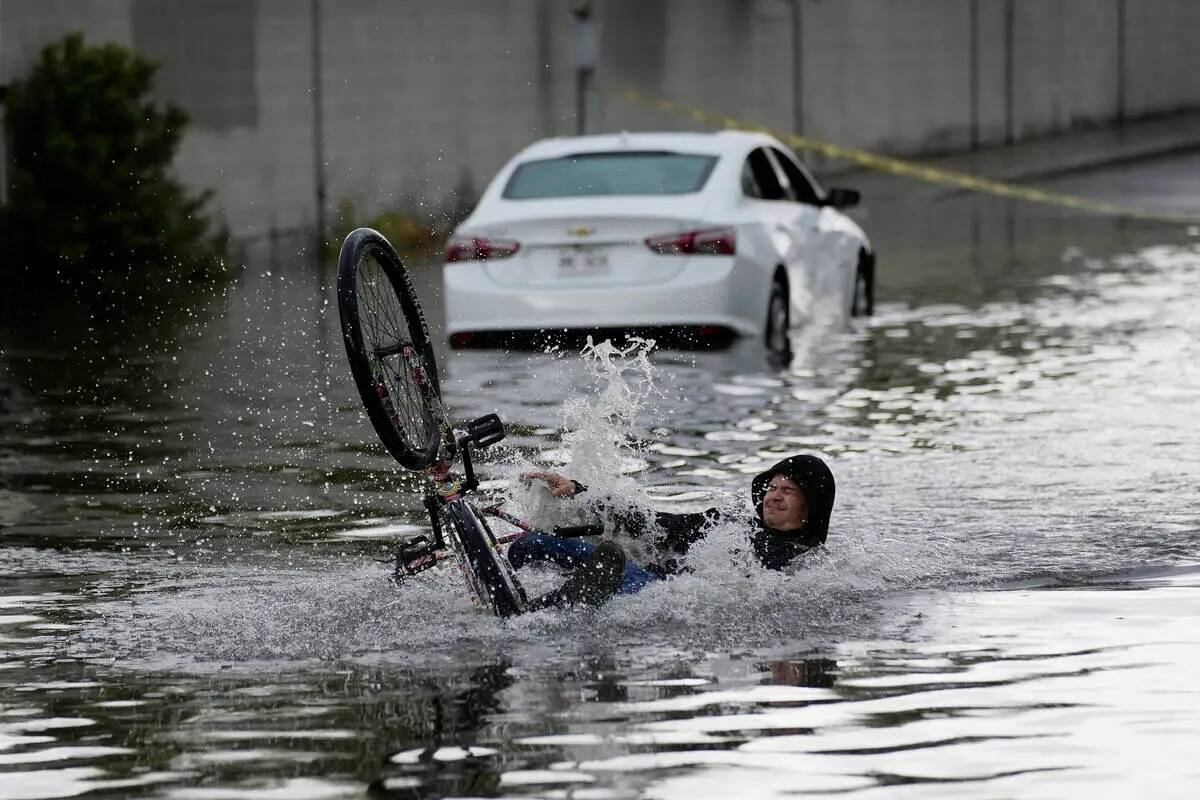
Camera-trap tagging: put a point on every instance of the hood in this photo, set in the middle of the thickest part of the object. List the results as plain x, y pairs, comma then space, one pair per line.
812, 475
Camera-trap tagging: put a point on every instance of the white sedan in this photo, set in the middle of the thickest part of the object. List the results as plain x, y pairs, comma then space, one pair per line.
699, 236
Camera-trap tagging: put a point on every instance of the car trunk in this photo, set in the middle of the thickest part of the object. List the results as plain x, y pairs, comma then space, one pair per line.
602, 244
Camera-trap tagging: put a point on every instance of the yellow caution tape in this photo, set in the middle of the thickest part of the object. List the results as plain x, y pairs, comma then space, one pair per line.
911, 169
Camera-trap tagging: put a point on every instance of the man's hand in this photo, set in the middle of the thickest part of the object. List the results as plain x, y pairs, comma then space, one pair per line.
559, 486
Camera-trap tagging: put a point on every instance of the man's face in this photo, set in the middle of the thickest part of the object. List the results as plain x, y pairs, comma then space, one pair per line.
785, 506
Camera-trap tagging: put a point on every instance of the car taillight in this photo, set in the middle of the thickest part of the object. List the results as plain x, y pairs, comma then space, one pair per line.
713, 242
473, 248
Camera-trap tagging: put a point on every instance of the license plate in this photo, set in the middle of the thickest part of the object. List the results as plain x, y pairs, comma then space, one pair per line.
582, 261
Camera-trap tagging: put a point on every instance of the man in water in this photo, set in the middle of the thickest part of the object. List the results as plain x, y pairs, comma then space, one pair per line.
793, 501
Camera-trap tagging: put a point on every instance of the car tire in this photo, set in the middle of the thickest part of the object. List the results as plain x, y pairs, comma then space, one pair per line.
862, 303
775, 332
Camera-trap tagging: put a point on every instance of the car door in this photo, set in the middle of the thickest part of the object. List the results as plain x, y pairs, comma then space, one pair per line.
781, 219
832, 247
791, 226
770, 215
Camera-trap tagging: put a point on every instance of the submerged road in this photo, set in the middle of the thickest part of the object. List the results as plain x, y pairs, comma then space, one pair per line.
189, 607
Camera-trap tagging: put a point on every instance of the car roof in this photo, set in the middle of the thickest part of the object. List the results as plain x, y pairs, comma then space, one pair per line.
716, 143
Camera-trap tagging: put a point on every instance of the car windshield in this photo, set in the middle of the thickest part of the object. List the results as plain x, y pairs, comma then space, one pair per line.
590, 174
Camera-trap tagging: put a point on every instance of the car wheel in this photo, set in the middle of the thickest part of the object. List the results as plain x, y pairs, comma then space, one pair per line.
778, 319
863, 302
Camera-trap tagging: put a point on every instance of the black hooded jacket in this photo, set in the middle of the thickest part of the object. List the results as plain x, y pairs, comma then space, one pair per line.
776, 548
773, 548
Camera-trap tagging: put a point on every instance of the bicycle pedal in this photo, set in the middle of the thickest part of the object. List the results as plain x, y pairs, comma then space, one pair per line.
486, 430
420, 564
415, 555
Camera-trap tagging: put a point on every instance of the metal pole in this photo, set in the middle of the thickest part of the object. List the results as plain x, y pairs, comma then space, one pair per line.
1010, 124
974, 39
3, 137
583, 89
3, 164
1120, 62
797, 68
584, 52
318, 125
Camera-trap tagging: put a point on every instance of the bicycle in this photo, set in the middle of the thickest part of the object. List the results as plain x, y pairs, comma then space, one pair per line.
394, 367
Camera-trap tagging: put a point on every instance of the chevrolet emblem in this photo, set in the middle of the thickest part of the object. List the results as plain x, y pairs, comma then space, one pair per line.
582, 230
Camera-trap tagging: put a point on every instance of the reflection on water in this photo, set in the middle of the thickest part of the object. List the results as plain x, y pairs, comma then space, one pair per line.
190, 508
944, 708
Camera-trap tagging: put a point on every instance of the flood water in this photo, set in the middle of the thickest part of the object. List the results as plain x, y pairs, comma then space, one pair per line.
192, 509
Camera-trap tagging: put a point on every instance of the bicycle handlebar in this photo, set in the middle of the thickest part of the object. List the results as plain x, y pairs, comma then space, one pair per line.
563, 532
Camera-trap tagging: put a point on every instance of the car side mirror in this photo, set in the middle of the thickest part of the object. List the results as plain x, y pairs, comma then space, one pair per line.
842, 198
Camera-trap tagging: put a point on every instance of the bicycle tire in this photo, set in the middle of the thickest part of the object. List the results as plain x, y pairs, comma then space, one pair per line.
388, 346
502, 593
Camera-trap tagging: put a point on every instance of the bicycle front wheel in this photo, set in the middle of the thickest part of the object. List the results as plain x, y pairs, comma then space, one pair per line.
387, 343
490, 574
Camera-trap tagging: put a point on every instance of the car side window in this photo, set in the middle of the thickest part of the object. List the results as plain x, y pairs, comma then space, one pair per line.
802, 188
765, 179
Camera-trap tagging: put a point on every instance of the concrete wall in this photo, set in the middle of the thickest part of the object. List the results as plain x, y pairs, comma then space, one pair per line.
252, 133
1161, 58
396, 105
988, 78
419, 98
735, 58
891, 76
1064, 65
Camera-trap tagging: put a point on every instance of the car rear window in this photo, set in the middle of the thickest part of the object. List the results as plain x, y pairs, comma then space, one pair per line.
590, 174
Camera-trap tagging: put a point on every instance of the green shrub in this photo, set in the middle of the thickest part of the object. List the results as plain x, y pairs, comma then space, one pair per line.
409, 235
415, 228
90, 200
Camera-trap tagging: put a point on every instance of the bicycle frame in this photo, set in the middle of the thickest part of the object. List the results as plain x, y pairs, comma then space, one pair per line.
449, 493
439, 552
461, 532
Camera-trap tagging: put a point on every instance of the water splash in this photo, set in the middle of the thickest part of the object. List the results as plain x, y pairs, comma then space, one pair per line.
601, 444
336, 609
908, 518
601, 431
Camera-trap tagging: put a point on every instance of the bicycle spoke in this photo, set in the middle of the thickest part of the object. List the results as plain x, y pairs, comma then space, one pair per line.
395, 371
387, 332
